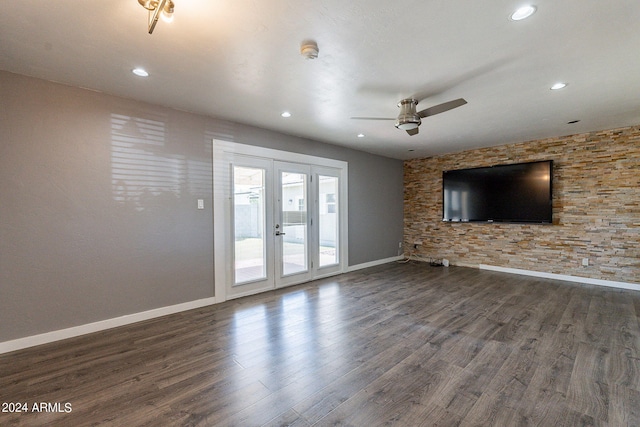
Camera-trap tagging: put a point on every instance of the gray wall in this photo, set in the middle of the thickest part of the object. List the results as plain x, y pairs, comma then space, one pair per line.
98, 197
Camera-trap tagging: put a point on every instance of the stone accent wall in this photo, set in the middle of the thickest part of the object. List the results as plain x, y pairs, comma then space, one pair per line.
596, 209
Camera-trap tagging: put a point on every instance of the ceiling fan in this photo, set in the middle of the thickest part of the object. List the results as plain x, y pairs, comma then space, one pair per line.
409, 119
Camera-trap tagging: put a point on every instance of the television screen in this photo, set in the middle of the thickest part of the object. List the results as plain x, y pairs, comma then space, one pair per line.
506, 193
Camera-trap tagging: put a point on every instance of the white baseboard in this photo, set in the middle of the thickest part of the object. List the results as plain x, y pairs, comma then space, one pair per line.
48, 337
374, 263
20, 343
567, 278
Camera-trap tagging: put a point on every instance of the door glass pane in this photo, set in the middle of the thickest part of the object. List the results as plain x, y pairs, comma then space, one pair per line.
294, 222
249, 224
328, 220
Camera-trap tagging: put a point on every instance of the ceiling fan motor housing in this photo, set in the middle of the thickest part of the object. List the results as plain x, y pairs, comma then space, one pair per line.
408, 118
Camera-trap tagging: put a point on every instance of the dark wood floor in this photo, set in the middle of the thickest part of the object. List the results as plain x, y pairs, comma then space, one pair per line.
399, 344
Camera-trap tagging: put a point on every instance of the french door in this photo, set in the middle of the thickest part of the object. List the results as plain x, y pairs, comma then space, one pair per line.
292, 223
284, 220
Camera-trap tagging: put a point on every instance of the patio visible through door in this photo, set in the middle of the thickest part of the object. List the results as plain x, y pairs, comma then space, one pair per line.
285, 221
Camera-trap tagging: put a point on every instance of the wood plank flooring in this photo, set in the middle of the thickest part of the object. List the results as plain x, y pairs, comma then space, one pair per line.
398, 344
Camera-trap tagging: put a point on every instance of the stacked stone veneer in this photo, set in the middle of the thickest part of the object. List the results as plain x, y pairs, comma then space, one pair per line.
596, 209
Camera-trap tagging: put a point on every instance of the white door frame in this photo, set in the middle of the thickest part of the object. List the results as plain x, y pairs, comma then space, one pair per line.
224, 154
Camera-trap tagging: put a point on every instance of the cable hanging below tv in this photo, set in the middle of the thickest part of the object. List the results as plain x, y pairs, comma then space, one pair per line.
513, 193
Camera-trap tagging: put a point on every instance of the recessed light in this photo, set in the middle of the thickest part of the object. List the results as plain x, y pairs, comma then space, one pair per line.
286, 114
558, 86
523, 13
361, 135
140, 72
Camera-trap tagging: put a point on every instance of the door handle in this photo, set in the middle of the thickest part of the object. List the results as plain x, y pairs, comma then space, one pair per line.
280, 234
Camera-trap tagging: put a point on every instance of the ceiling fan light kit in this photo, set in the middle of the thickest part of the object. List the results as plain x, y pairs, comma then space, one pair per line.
408, 119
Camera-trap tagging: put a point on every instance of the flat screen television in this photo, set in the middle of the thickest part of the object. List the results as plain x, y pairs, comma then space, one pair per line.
519, 193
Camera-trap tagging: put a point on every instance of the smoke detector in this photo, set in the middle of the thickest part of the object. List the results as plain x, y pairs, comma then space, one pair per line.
309, 49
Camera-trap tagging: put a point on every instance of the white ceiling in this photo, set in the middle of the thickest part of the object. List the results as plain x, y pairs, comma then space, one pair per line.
240, 60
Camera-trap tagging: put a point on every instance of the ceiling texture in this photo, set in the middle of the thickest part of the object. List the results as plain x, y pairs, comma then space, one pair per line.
240, 60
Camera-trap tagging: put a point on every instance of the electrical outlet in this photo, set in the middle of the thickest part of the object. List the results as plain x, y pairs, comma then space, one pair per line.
585, 262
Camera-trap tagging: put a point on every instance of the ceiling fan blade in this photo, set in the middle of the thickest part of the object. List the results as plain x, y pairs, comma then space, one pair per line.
372, 118
412, 132
441, 108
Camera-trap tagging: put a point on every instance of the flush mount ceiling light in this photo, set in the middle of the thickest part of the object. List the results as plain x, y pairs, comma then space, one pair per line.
523, 13
309, 49
157, 8
558, 86
360, 135
285, 114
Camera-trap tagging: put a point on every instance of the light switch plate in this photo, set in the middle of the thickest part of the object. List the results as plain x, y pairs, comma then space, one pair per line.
200, 203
